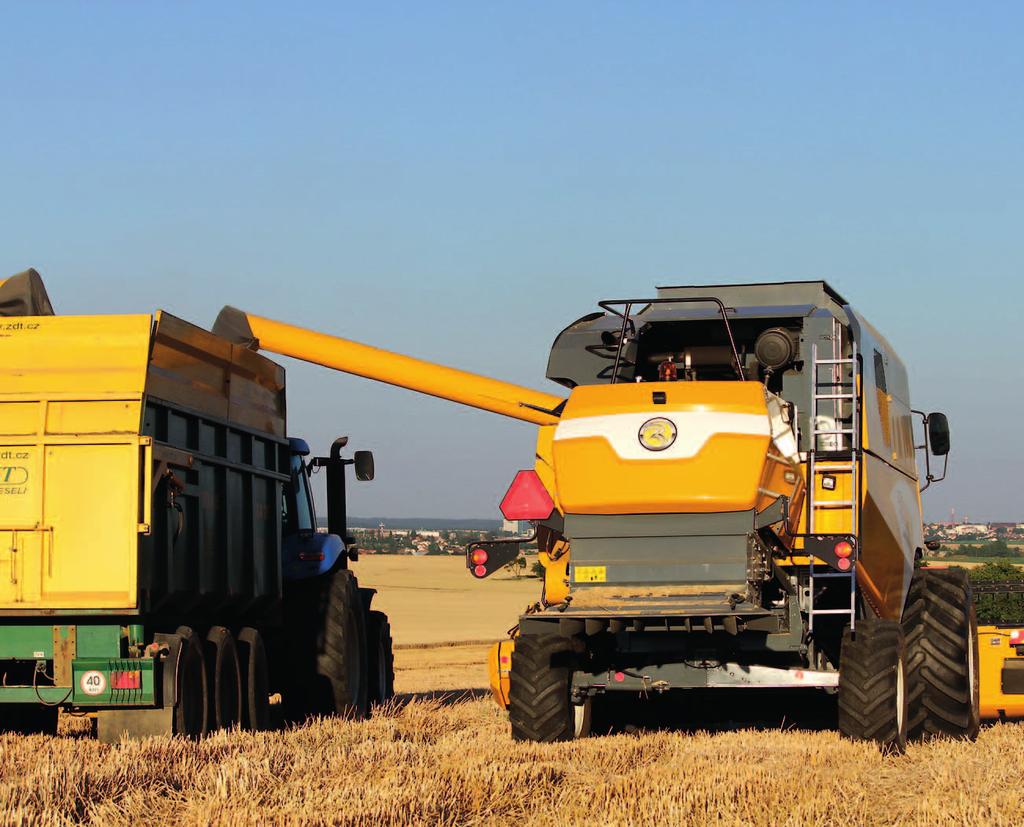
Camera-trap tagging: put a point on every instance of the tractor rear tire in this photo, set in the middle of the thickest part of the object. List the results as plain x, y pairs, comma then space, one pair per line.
192, 709
381, 658
224, 678
873, 684
941, 627
540, 685
255, 680
341, 662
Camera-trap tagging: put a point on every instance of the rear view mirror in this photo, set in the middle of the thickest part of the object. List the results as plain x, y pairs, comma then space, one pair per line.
363, 461
938, 434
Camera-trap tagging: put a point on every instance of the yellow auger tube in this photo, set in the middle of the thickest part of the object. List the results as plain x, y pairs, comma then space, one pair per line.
392, 368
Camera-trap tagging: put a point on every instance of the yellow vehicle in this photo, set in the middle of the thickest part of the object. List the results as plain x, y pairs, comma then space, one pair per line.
1001, 656
728, 496
160, 567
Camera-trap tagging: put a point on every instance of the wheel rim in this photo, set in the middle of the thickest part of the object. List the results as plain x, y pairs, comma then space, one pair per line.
581, 715
901, 701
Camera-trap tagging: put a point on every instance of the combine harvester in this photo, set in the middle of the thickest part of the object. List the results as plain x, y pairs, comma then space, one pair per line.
160, 564
728, 497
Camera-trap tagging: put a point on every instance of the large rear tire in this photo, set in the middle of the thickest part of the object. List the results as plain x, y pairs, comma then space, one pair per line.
873, 684
540, 682
941, 627
381, 658
255, 680
326, 648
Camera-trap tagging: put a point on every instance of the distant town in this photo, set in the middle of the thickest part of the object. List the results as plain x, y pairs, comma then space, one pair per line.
400, 538
403, 536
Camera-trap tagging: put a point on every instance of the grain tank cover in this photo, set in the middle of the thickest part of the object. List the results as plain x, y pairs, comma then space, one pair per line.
24, 295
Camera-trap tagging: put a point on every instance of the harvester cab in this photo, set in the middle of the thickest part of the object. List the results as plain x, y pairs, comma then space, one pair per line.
728, 497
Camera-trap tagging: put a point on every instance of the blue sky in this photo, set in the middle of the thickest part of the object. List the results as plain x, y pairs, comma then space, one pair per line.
459, 181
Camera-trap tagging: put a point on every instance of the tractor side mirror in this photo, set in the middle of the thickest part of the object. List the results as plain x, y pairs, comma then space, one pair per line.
938, 434
363, 461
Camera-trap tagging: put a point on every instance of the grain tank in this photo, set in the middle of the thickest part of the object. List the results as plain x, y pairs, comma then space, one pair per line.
727, 497
160, 563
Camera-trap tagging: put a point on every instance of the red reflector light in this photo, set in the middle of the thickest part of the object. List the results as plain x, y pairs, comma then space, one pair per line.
527, 498
843, 549
480, 571
620, 676
126, 680
306, 556
479, 556
843, 564
1017, 637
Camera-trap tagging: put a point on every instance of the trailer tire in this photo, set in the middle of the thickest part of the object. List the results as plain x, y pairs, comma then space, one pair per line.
381, 658
873, 684
941, 626
540, 682
30, 719
224, 679
192, 707
255, 680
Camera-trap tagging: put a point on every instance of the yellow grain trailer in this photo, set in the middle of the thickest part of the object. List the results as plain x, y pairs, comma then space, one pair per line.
728, 497
160, 564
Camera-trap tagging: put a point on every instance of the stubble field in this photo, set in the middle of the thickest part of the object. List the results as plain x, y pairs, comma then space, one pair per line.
441, 753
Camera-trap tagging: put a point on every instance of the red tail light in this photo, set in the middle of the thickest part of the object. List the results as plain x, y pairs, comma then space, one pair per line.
527, 498
480, 570
126, 680
479, 556
1017, 637
843, 549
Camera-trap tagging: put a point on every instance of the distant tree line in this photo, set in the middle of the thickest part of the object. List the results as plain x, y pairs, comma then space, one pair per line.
998, 608
995, 548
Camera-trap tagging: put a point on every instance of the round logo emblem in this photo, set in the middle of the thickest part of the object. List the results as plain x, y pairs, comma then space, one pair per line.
93, 683
657, 434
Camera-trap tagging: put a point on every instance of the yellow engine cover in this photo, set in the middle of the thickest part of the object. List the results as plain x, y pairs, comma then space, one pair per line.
669, 447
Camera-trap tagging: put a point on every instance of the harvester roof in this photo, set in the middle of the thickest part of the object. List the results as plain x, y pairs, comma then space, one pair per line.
584, 352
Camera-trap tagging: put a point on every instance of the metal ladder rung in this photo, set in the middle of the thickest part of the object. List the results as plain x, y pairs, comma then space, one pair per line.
834, 362
830, 611
835, 466
835, 504
832, 574
850, 396
840, 431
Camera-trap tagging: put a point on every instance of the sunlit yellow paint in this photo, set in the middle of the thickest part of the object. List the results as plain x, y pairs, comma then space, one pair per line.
72, 460
993, 650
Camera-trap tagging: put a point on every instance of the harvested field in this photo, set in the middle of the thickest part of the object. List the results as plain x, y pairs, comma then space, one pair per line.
442, 754
450, 761
435, 600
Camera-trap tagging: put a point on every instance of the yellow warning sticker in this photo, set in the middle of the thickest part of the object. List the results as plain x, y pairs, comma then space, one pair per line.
590, 574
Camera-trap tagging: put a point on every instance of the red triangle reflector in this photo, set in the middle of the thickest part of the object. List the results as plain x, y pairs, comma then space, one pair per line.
527, 498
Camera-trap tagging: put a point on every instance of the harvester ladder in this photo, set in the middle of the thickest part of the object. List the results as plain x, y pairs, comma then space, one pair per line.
834, 450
